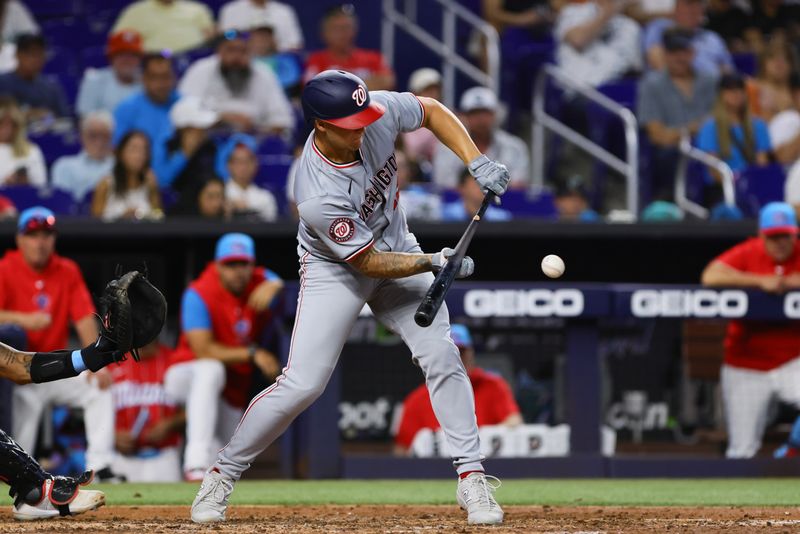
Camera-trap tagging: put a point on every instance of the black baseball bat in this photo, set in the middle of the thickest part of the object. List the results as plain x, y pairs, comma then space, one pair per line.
433, 299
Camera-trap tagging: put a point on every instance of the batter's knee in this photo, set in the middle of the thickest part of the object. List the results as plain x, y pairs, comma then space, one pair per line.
304, 393
209, 374
438, 358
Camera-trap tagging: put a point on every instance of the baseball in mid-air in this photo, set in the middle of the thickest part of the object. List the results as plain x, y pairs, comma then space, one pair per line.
553, 266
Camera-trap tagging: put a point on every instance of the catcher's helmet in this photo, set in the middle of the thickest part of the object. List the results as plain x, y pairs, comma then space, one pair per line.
340, 98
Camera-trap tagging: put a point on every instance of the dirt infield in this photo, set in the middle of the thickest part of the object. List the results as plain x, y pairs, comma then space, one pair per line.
421, 519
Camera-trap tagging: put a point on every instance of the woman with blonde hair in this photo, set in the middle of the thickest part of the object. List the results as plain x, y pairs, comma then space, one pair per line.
732, 133
21, 161
770, 92
131, 192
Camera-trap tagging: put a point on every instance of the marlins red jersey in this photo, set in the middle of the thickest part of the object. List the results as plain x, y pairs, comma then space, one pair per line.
760, 345
140, 401
363, 63
494, 403
58, 289
208, 305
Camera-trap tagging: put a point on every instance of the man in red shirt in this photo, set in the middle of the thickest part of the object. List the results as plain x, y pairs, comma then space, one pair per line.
339, 28
761, 357
148, 421
494, 402
223, 314
43, 293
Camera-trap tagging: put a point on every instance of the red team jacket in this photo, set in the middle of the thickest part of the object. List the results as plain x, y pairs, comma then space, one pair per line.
58, 290
760, 345
361, 62
139, 387
494, 403
234, 324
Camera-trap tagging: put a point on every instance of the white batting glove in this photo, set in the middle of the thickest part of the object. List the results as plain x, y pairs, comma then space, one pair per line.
490, 175
439, 260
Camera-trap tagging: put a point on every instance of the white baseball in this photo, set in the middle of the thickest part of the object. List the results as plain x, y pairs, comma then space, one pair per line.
553, 266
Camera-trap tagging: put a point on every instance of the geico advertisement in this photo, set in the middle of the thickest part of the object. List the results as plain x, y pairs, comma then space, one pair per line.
730, 303
523, 303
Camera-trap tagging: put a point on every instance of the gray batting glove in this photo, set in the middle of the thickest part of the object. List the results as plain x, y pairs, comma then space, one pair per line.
439, 259
490, 175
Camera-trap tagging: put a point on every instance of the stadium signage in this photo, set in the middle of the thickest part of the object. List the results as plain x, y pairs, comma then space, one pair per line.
691, 303
791, 305
523, 303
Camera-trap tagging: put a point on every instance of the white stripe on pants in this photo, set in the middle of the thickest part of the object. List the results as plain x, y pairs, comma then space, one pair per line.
747, 395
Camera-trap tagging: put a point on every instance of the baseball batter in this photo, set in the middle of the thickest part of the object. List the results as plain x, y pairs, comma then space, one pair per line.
355, 248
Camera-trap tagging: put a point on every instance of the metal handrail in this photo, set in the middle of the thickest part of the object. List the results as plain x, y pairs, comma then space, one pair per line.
688, 152
543, 121
446, 46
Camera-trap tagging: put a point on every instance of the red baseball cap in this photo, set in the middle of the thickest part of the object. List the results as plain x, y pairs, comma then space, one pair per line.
123, 41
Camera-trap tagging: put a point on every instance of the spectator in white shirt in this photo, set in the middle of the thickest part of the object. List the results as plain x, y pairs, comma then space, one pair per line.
103, 89
21, 161
79, 174
596, 44
246, 94
479, 107
240, 168
240, 14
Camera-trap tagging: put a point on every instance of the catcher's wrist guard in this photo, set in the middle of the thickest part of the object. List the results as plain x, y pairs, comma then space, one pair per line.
50, 366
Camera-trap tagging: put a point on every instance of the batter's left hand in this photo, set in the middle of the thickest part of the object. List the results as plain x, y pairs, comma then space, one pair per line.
490, 175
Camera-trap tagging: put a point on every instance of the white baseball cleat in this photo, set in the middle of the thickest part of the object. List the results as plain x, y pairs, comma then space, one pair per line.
83, 501
212, 499
474, 494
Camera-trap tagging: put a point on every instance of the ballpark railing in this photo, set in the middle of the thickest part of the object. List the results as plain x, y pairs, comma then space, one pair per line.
543, 121
688, 152
444, 47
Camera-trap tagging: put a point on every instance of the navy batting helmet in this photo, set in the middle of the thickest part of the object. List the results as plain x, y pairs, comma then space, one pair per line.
340, 98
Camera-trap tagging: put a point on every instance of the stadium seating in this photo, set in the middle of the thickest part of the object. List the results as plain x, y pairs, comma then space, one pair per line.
757, 186
24, 196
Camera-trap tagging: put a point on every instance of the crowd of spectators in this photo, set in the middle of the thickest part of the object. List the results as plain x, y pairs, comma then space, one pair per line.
215, 101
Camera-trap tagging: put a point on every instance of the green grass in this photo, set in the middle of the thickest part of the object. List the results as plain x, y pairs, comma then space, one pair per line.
645, 492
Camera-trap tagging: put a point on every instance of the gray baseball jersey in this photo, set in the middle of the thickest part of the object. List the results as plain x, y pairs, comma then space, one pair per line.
345, 208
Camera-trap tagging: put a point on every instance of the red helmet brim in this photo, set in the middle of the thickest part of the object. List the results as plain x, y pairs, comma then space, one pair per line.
361, 119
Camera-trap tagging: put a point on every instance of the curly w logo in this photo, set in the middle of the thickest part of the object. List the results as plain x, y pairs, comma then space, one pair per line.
360, 95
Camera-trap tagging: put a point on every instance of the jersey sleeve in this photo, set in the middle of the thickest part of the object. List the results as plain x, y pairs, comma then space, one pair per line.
337, 226
194, 312
405, 110
80, 303
736, 257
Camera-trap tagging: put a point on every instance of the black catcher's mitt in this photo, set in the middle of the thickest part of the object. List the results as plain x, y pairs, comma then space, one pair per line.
134, 312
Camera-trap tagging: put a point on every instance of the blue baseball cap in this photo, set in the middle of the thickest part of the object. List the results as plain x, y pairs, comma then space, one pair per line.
460, 335
777, 218
36, 218
235, 247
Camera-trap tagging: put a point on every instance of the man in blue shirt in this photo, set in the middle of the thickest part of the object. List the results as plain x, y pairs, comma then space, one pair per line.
38, 96
148, 110
80, 173
711, 54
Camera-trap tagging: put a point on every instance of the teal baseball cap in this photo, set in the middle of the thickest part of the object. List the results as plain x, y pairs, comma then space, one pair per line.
777, 218
36, 218
235, 247
460, 335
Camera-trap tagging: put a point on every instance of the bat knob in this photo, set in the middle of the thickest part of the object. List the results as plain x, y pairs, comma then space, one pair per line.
423, 319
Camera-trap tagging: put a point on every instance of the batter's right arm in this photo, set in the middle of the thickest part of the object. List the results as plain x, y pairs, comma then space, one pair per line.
377, 264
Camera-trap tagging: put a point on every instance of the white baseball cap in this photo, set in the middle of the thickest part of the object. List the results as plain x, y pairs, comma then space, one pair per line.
478, 98
423, 78
189, 111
